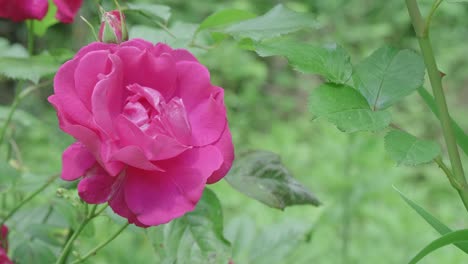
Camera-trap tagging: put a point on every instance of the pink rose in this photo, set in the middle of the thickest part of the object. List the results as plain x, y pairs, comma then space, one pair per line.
20, 10
151, 129
4, 246
4, 257
67, 9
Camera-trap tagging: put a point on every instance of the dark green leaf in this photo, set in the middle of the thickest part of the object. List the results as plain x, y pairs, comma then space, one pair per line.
332, 62
447, 239
406, 149
32, 68
195, 238
345, 107
262, 176
388, 75
434, 222
462, 138
151, 10
224, 18
276, 22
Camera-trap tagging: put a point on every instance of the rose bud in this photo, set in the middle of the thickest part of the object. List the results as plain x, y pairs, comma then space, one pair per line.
113, 28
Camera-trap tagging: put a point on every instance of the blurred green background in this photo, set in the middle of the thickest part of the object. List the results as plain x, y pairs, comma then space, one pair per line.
363, 219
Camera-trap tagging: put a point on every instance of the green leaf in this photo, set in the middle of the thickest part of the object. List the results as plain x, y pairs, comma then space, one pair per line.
151, 10
406, 149
262, 176
434, 222
32, 68
183, 33
197, 237
47, 233
345, 107
277, 242
447, 239
332, 62
15, 50
8, 175
40, 27
33, 252
276, 22
224, 18
462, 138
388, 75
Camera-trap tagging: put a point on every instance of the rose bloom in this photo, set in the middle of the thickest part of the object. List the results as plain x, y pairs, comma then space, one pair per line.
151, 129
20, 10
4, 246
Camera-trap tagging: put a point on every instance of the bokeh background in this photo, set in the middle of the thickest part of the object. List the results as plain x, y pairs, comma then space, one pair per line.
363, 219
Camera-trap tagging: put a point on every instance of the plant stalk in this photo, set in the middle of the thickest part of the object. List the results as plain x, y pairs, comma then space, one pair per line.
435, 78
100, 246
27, 199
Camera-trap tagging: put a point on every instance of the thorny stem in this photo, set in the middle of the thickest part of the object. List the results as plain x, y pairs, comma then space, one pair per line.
27, 199
420, 27
15, 104
90, 215
100, 246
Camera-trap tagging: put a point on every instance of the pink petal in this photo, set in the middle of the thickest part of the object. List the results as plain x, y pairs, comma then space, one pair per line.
141, 44
152, 96
133, 156
97, 186
155, 148
145, 69
119, 206
158, 197
76, 160
95, 46
208, 120
183, 55
67, 9
86, 74
20, 10
173, 118
193, 83
226, 147
108, 97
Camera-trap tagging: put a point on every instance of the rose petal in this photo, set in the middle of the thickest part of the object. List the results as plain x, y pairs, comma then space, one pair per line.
157, 147
67, 9
133, 156
86, 74
193, 83
144, 69
119, 206
208, 121
108, 97
158, 197
76, 160
20, 10
95, 46
226, 147
97, 186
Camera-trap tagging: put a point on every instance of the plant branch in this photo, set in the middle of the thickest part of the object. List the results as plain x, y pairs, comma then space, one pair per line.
29, 198
90, 215
431, 14
439, 96
100, 246
15, 105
